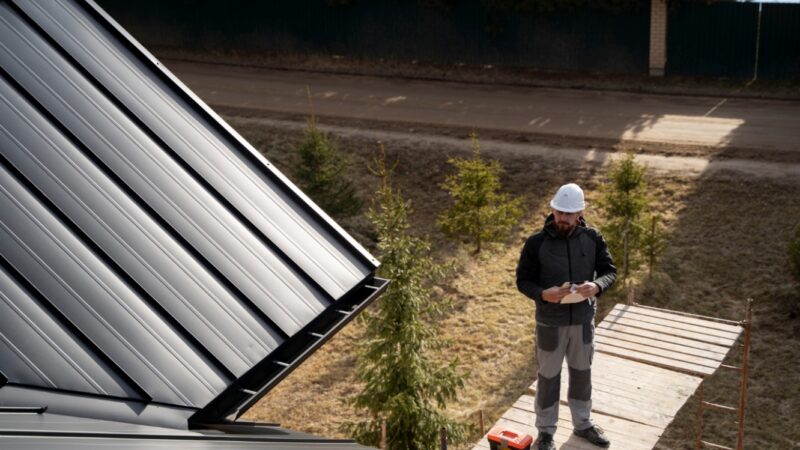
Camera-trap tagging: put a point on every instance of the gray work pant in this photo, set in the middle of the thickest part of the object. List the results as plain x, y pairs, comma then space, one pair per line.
552, 344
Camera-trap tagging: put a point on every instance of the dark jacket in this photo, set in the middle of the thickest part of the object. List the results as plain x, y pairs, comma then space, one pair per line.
549, 259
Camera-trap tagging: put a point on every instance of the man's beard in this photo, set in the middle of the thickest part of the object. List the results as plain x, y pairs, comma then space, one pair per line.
564, 229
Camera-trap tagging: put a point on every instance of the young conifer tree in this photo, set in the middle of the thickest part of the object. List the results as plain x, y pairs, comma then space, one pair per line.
480, 212
401, 384
320, 172
625, 202
654, 241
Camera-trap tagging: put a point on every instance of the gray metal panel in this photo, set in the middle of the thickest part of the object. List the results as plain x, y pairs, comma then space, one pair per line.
206, 150
82, 443
143, 249
58, 423
39, 443
38, 430
154, 267
283, 294
46, 353
96, 407
49, 256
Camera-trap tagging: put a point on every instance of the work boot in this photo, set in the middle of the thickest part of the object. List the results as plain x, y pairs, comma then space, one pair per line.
545, 442
594, 435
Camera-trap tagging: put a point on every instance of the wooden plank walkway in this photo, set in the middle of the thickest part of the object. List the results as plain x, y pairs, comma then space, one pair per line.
647, 363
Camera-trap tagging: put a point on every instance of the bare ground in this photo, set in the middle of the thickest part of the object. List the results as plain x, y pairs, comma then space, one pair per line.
727, 243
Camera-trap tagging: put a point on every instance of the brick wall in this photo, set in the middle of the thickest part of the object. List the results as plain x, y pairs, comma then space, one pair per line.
658, 37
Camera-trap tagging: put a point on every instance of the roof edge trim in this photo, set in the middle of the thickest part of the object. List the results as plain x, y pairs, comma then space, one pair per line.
253, 385
304, 201
228, 437
100, 408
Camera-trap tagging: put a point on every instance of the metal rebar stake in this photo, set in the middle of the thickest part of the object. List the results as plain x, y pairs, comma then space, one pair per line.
383, 435
699, 440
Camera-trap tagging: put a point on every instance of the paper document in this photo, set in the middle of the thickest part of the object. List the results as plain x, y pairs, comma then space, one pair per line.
573, 296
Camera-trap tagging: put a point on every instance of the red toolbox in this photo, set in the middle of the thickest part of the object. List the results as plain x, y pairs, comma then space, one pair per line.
502, 438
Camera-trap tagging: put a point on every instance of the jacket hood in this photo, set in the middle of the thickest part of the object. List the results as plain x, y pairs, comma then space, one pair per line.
550, 226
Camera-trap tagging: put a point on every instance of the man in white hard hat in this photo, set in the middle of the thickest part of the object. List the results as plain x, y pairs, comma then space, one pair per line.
564, 268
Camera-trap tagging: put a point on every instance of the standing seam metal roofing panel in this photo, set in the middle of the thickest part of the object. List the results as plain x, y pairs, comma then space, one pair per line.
50, 348
164, 184
207, 152
154, 267
145, 251
266, 171
80, 285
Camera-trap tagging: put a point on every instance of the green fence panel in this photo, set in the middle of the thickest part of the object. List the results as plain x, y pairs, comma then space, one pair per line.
713, 40
466, 32
779, 55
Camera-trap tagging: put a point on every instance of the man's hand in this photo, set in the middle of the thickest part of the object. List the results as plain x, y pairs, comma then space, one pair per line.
554, 294
588, 289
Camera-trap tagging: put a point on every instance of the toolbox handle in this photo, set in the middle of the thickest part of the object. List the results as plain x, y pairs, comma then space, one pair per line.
509, 433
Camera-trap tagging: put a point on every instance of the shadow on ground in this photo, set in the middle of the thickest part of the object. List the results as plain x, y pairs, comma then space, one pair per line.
728, 243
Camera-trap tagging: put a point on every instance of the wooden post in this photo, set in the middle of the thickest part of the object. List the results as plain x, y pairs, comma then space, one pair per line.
631, 295
483, 427
748, 324
652, 249
443, 437
699, 433
383, 435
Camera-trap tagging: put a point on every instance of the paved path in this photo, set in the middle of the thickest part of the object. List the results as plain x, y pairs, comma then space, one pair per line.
768, 125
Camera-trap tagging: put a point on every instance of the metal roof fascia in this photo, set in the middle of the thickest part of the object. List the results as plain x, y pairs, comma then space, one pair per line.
31, 422
277, 435
304, 201
111, 443
253, 385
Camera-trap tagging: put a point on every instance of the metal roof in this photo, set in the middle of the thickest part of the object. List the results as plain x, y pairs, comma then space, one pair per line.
154, 267
20, 430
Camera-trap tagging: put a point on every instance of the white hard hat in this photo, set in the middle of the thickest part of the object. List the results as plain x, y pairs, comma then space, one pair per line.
568, 199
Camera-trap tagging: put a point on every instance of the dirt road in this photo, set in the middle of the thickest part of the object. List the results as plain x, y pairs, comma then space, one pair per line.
687, 165
770, 129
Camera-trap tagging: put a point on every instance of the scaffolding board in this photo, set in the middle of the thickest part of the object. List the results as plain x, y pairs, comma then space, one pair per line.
647, 363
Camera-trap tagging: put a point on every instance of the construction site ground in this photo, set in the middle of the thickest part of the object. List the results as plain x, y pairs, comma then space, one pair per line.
729, 209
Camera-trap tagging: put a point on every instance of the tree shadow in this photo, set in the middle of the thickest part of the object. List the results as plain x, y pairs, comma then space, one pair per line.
727, 244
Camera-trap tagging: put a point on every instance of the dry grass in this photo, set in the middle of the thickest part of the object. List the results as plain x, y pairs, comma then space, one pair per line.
727, 243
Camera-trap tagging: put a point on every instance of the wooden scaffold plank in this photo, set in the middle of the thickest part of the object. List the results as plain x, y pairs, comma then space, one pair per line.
647, 363
623, 433
615, 320
634, 390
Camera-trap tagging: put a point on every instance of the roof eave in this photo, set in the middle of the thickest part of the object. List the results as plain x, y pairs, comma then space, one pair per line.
250, 387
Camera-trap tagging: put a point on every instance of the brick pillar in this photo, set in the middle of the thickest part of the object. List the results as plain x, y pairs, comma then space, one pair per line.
658, 37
